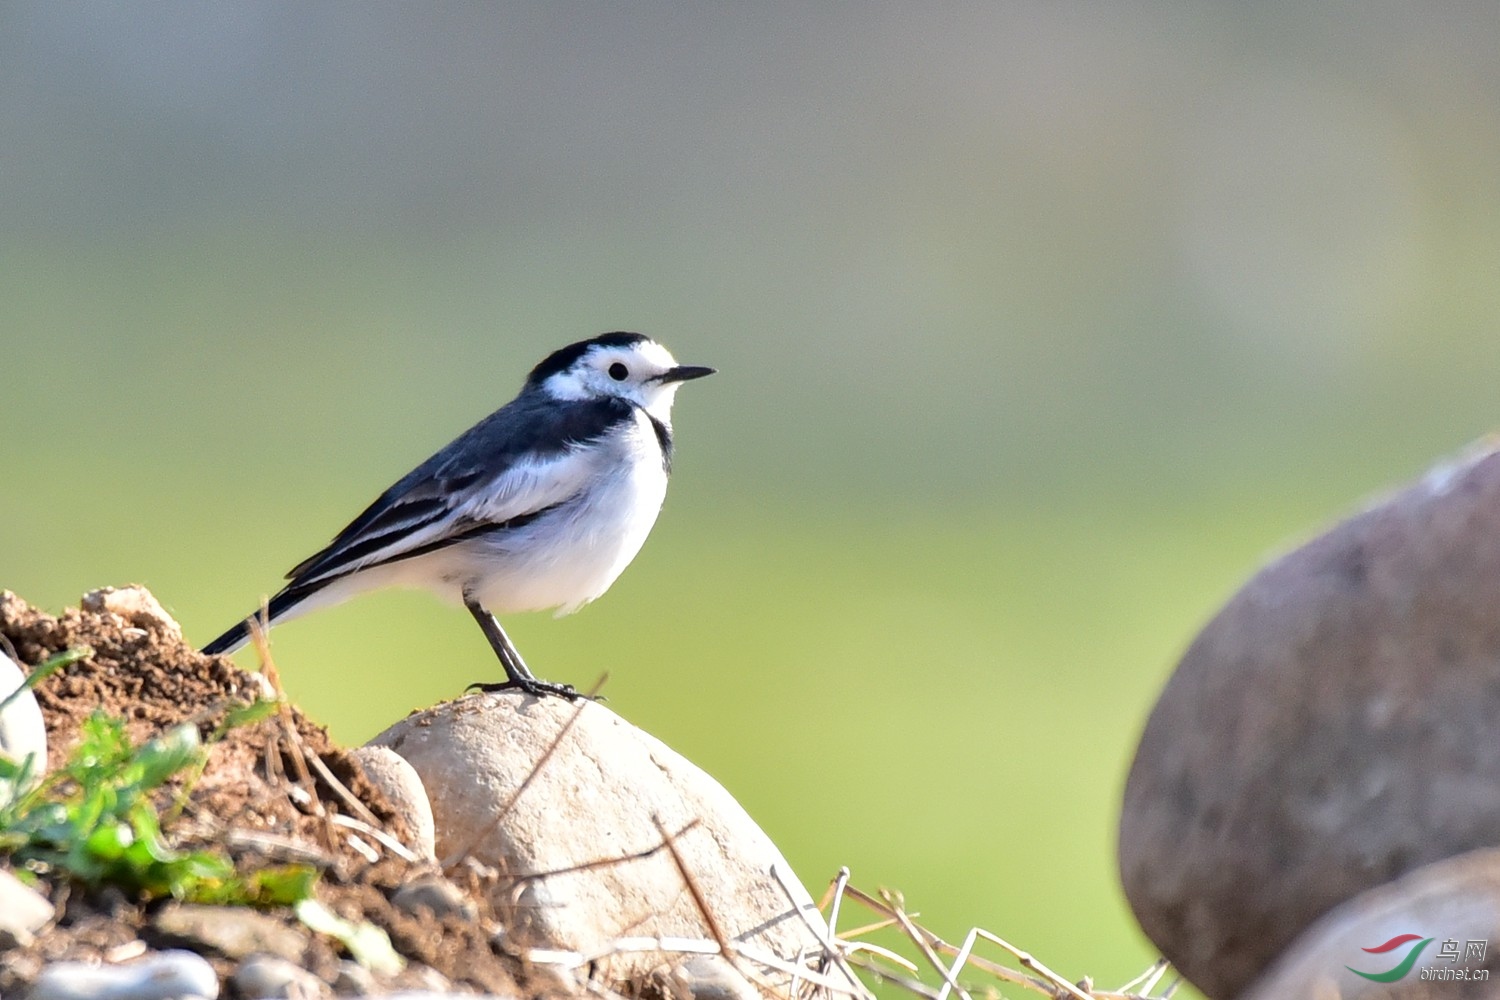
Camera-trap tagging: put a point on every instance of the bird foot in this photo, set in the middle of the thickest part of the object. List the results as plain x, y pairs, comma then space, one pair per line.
531, 686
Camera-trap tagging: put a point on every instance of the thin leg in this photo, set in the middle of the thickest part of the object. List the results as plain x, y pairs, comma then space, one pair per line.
517, 675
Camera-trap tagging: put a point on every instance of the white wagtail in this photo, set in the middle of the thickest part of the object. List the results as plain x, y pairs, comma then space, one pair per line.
540, 505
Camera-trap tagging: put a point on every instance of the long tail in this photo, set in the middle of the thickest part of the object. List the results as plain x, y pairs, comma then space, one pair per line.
279, 607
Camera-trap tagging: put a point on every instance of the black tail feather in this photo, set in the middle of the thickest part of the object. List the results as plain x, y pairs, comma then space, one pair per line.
279, 605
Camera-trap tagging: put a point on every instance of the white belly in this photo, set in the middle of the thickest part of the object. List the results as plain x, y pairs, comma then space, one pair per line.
570, 556
564, 559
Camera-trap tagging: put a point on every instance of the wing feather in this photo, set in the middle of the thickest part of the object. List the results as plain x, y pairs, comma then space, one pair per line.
504, 471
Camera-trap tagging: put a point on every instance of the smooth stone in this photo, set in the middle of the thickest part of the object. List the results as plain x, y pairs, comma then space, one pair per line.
234, 931
436, 894
712, 977
582, 836
354, 979
402, 786
1331, 729
23, 912
266, 977
163, 975
1455, 901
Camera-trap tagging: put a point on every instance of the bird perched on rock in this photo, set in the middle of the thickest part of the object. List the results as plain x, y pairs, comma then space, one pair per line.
540, 505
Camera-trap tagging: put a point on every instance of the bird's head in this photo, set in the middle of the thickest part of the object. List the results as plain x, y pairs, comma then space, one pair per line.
628, 366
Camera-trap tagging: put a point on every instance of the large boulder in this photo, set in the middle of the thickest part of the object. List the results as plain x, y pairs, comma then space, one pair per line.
585, 838
1331, 729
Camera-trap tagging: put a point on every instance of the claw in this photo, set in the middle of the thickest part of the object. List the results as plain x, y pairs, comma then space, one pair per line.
531, 686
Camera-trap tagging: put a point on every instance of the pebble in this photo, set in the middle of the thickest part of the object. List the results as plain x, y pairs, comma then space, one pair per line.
166, 975
234, 931
437, 894
23, 912
711, 977
133, 605
266, 977
389, 771
353, 980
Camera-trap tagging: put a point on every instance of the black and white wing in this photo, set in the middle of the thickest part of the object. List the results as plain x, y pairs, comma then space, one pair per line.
503, 472
510, 468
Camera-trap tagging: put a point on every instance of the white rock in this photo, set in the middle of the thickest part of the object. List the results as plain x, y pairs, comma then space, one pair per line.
23, 732
390, 772
266, 977
354, 980
594, 801
165, 975
134, 605
23, 911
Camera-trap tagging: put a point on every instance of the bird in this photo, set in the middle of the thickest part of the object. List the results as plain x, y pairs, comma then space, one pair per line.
539, 506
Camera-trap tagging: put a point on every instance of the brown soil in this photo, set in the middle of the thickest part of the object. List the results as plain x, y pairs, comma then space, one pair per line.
142, 672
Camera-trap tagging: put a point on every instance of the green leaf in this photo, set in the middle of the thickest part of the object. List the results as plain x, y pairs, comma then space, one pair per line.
97, 819
109, 841
247, 714
283, 885
169, 753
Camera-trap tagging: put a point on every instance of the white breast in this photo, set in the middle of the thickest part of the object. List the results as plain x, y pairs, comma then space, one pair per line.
573, 554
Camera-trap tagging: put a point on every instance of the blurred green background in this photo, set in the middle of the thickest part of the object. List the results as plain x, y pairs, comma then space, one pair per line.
1039, 327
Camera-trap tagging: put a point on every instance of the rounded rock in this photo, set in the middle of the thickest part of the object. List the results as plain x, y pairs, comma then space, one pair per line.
23, 912
266, 977
435, 894
1454, 903
354, 980
1331, 729
403, 788
233, 931
711, 977
166, 975
584, 830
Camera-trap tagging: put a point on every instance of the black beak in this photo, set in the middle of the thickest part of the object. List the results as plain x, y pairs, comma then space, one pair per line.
684, 372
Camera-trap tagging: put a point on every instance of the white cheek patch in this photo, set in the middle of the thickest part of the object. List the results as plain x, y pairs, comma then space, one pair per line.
566, 385
591, 379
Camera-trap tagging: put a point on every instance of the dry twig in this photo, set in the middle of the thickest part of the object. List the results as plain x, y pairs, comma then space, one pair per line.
1043, 980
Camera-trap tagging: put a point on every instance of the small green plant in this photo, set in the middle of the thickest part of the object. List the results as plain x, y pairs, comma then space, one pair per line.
97, 820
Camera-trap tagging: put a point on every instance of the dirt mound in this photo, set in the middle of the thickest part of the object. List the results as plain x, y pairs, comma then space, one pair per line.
261, 795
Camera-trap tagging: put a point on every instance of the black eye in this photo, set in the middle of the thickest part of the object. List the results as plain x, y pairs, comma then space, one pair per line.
618, 372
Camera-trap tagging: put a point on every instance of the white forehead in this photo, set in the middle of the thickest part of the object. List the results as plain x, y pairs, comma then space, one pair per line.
587, 378
649, 351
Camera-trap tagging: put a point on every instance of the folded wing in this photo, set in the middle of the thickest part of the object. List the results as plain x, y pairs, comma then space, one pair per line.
504, 472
